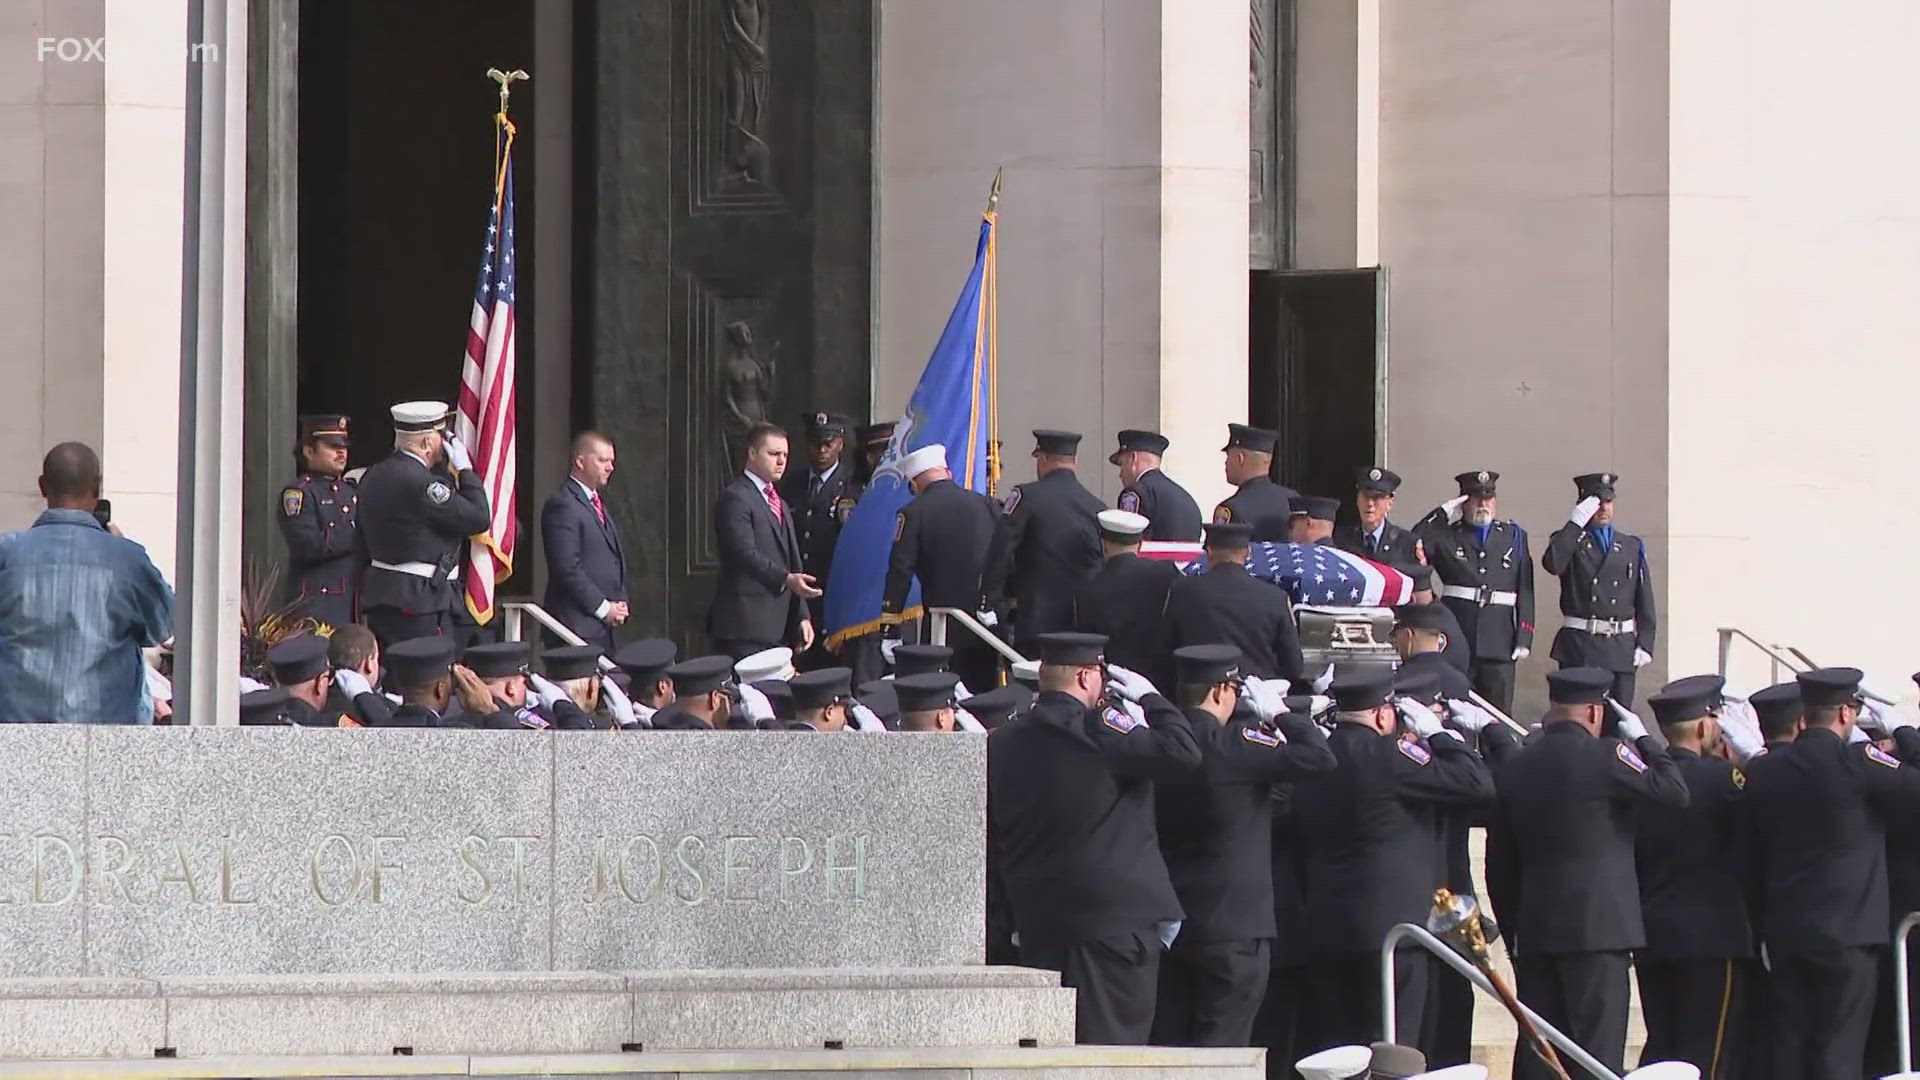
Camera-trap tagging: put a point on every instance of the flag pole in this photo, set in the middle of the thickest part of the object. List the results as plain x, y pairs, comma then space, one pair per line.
990, 285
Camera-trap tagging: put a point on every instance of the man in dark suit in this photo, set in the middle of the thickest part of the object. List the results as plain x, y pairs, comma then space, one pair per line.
1375, 537
822, 494
1228, 606
586, 567
1151, 493
1127, 599
759, 594
942, 538
1047, 546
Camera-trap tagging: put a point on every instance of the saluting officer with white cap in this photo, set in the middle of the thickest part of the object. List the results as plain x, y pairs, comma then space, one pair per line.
942, 538
416, 508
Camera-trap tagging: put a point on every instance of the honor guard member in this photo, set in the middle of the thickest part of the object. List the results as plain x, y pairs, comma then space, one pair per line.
421, 671
1370, 859
1485, 574
1560, 861
265, 708
1070, 820
703, 698
1048, 544
568, 694
1228, 606
1127, 599
1777, 710
872, 440
1260, 503
1606, 590
1216, 834
821, 495
927, 701
1423, 635
879, 698
501, 668
1374, 537
1171, 513
417, 508
649, 687
1420, 576
1693, 865
1310, 519
920, 659
299, 665
320, 523
996, 707
944, 537
820, 699
1821, 807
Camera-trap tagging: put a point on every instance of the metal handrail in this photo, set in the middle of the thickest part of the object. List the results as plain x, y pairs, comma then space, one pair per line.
514, 625
1445, 952
1798, 663
1902, 999
937, 632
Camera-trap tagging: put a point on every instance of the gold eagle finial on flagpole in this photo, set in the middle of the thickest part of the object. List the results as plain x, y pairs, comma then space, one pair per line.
506, 79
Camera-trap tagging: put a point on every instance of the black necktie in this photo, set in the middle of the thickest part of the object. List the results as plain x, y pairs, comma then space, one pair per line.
813, 487
1373, 547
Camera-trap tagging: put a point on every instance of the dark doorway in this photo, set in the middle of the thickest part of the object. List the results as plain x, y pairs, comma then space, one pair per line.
1314, 374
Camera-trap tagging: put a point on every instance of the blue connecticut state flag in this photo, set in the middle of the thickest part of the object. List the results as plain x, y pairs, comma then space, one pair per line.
952, 405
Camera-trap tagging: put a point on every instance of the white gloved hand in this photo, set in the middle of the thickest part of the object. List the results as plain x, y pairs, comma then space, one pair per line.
351, 682
754, 704
457, 454
1265, 702
1858, 735
1584, 510
887, 645
1323, 680
1453, 508
960, 692
1521, 652
1741, 729
618, 703
643, 714
545, 691
249, 685
1131, 685
987, 619
964, 720
864, 719
1631, 727
1133, 710
1891, 719
1318, 704
1280, 687
1641, 658
1468, 715
1418, 717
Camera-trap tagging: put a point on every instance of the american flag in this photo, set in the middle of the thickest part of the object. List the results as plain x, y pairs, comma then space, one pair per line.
1312, 573
484, 420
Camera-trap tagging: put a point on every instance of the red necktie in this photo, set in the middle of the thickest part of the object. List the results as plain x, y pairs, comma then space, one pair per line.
773, 501
599, 509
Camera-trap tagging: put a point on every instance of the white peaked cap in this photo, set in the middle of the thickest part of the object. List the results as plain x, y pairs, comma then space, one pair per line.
766, 664
1454, 1072
1027, 671
418, 415
1339, 1063
1122, 522
930, 456
1671, 1070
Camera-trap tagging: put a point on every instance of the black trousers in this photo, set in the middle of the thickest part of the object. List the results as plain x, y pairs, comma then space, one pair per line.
1821, 1007
1210, 992
1278, 1024
1883, 1049
1584, 994
1494, 681
1447, 1034
1116, 978
391, 624
1696, 1011
1343, 999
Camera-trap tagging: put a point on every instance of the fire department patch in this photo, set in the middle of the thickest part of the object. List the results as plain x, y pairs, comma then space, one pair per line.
292, 500
899, 525
1739, 780
1883, 757
1118, 720
842, 508
1255, 735
1420, 755
1629, 757
1013, 500
1130, 501
1223, 514
439, 492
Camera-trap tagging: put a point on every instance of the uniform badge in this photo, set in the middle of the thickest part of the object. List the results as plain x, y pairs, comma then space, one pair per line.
531, 719
843, 507
1130, 501
899, 525
1373, 474
1418, 754
439, 492
291, 501
1881, 756
1739, 780
1118, 720
1255, 735
1013, 500
1629, 757
1223, 514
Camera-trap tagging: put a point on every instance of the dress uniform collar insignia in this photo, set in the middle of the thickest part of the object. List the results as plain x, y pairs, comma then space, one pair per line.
1118, 720
1420, 755
1629, 757
1882, 757
1255, 735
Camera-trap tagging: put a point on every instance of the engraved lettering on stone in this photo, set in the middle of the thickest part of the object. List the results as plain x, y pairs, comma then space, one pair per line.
52, 885
744, 27
471, 850
8, 896
179, 872
839, 872
698, 881
796, 858
517, 865
229, 888
378, 861
112, 860
336, 852
736, 859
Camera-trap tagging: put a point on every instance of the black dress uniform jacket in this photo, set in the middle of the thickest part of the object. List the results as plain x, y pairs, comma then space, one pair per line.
404, 715
1261, 503
1503, 564
1560, 850
1047, 546
1453, 679
818, 514
1070, 816
1367, 830
1171, 513
1693, 862
1127, 601
1228, 606
757, 552
412, 514
942, 537
1396, 545
318, 519
1216, 827
1614, 584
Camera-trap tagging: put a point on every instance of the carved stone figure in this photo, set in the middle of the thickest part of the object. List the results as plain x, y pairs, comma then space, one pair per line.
746, 387
746, 25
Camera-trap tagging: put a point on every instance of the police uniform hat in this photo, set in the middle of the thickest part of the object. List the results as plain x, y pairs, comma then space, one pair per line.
1026, 673
264, 706
918, 659
930, 456
1057, 443
1313, 506
1419, 573
1421, 684
1776, 706
499, 660
1206, 665
879, 696
1229, 535
419, 661
700, 674
1384, 481
1134, 439
996, 707
1481, 482
1687, 699
419, 415
1071, 649
819, 689
774, 663
327, 428
572, 662
1420, 617
1359, 689
874, 434
1578, 686
825, 426
647, 659
1392, 1059
925, 692
1827, 686
1259, 440
1121, 526
297, 659
1596, 484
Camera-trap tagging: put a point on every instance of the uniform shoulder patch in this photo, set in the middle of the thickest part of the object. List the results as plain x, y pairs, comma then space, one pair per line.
1130, 501
1629, 757
439, 492
1223, 514
899, 525
292, 501
842, 507
1874, 753
1419, 755
1013, 500
530, 718
1739, 780
1118, 720
1255, 735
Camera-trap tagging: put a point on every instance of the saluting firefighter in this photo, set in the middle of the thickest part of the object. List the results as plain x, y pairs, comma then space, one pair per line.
319, 519
1606, 590
1486, 579
1171, 513
417, 508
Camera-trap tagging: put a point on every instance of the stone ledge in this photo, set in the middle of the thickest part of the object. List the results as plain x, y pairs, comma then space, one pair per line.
851, 978
474, 982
